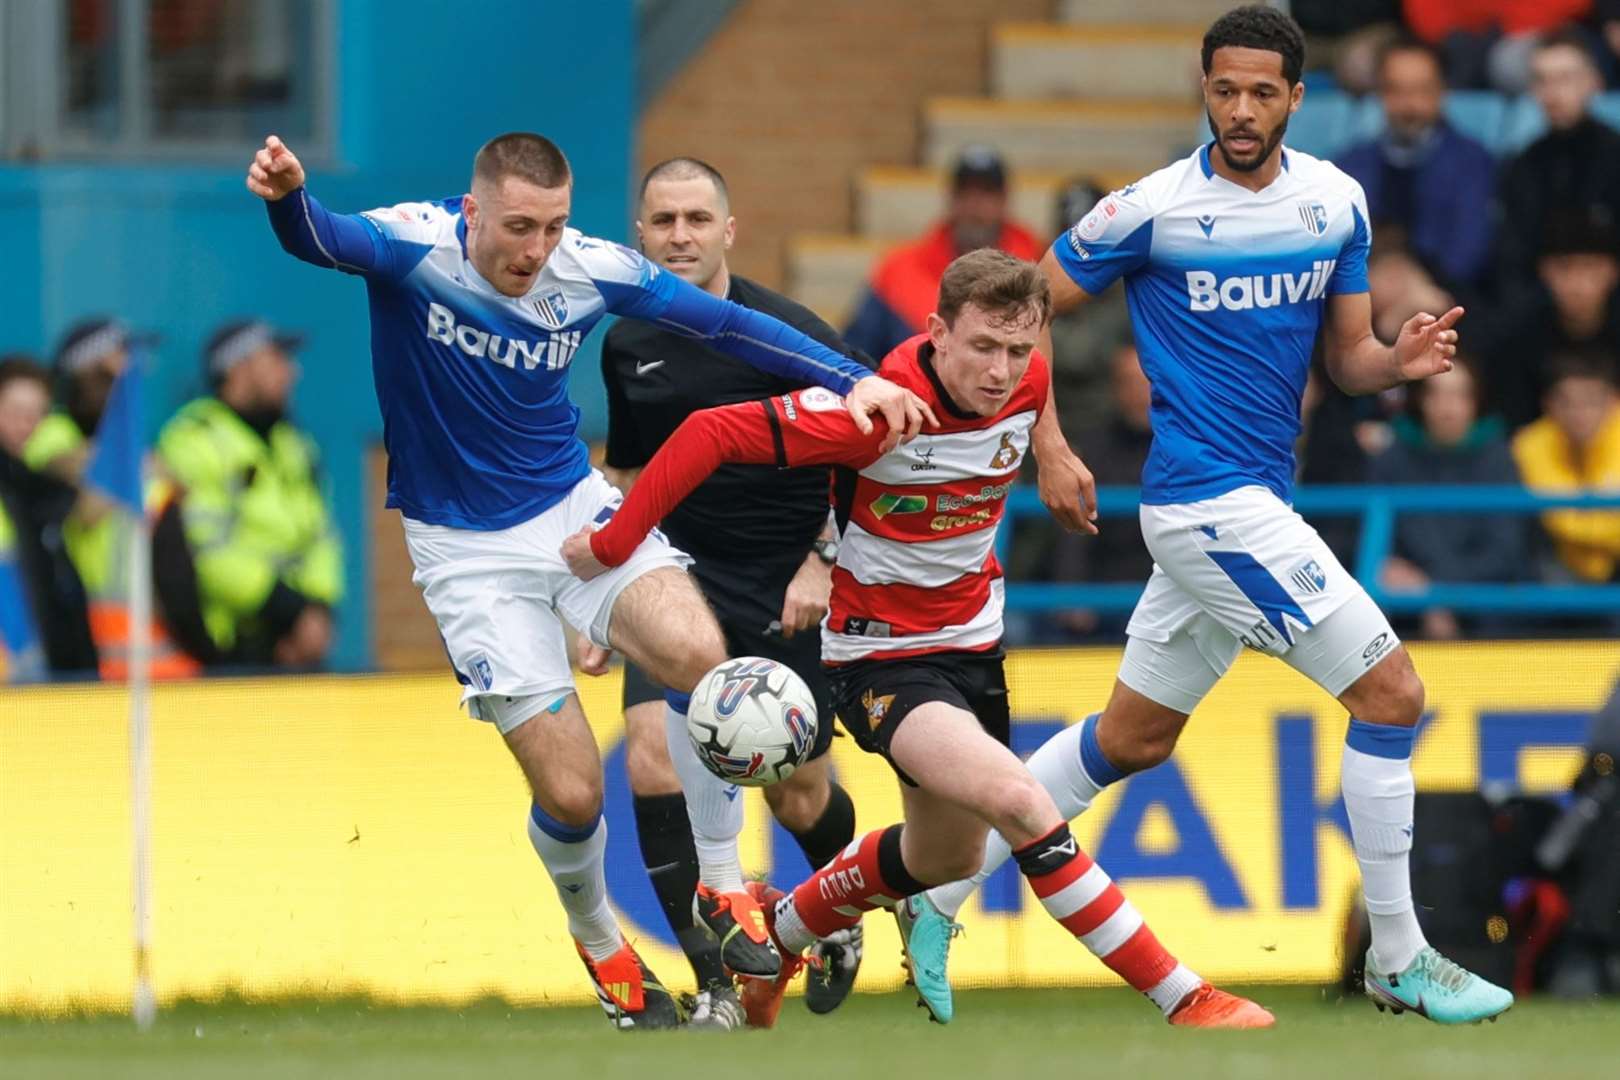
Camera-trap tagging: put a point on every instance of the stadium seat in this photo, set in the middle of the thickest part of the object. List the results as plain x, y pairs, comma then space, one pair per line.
1522, 124
1479, 114
1323, 125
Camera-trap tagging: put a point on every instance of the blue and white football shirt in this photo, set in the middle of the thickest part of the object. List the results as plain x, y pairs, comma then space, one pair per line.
1226, 288
473, 384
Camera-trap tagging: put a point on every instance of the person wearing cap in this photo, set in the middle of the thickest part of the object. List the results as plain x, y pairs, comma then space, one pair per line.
269, 565
905, 283
95, 534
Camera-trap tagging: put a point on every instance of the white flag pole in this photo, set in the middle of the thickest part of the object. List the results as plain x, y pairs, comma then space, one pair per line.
140, 755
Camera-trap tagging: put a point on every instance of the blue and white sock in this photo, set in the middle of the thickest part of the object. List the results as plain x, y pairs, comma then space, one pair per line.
1376, 777
715, 807
1071, 767
573, 857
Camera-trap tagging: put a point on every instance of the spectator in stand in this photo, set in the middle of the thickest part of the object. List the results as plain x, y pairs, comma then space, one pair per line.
36, 507
1573, 305
1576, 447
25, 398
1115, 452
1442, 439
1347, 36
905, 283
268, 565
95, 533
1574, 167
1422, 176
1489, 43
1087, 340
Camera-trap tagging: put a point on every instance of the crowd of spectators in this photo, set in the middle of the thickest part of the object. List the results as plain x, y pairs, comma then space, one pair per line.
245, 563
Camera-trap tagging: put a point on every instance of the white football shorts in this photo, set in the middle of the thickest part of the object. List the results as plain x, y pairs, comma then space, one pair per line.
500, 599
1245, 569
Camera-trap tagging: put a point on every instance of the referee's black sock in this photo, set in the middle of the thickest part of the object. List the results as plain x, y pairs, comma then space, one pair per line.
665, 833
833, 830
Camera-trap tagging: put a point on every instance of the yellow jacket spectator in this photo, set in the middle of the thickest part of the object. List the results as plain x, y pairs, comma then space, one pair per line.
96, 534
269, 566
1576, 447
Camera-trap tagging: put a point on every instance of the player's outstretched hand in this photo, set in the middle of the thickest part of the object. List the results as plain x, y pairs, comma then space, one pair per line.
1067, 488
593, 659
582, 562
905, 412
275, 172
1427, 344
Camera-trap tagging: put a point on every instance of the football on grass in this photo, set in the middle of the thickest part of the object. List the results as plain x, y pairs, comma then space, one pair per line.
752, 721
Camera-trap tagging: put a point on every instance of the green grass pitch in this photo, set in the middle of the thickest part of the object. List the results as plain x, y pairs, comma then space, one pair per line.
1012, 1034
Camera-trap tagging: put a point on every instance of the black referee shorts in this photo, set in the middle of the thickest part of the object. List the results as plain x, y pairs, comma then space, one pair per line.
747, 598
873, 697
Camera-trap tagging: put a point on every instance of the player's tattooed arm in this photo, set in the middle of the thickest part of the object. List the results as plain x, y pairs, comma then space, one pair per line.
1359, 363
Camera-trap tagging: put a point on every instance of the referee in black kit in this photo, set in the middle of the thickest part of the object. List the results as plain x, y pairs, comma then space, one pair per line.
763, 552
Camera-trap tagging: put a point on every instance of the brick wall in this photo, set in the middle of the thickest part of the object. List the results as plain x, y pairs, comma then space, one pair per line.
792, 97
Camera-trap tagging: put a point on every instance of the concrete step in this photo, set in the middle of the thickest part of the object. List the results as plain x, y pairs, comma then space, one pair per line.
825, 272
1062, 136
1109, 63
1104, 12
899, 202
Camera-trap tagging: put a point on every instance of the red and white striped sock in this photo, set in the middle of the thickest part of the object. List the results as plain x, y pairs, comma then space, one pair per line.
867, 874
1080, 895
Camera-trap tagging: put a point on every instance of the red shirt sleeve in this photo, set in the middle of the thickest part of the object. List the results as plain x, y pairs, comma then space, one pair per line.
809, 427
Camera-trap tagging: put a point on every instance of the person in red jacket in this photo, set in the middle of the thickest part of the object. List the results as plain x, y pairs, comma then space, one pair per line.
896, 301
912, 639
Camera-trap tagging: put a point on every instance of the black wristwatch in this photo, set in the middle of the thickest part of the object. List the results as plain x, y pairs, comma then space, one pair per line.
826, 551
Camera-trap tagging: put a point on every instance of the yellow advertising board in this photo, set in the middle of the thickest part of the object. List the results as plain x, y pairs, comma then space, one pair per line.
359, 835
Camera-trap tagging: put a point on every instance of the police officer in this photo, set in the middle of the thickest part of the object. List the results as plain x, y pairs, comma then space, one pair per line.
268, 563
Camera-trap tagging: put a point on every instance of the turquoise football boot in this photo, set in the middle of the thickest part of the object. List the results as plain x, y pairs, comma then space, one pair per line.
926, 934
1437, 989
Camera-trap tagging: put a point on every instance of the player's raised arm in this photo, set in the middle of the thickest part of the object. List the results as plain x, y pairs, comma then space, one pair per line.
637, 289
305, 228
806, 428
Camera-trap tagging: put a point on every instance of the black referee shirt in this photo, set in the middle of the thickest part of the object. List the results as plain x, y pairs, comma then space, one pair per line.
656, 379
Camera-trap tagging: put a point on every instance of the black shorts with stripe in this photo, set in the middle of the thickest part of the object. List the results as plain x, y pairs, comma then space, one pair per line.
873, 697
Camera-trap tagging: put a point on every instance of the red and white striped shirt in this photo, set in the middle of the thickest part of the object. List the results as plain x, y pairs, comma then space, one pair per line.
917, 570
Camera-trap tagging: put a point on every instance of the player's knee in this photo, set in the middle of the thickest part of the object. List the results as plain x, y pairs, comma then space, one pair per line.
797, 805
1400, 704
576, 801
1019, 808
646, 761
1143, 754
701, 650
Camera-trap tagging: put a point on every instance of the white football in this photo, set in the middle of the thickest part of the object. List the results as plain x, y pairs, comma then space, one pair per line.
752, 721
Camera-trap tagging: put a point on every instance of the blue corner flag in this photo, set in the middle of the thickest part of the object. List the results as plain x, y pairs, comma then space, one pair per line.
115, 461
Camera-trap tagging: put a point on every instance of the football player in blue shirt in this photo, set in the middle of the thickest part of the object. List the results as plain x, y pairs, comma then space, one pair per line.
478, 305
1232, 259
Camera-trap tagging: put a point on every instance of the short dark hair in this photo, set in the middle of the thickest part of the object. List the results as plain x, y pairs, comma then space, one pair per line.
1409, 43
1580, 362
524, 155
996, 283
14, 366
1256, 26
685, 168
1568, 38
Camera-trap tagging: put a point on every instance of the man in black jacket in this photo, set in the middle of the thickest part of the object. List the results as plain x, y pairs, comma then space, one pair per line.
762, 555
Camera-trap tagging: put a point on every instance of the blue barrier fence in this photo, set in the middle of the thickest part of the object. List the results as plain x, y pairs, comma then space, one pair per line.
1377, 507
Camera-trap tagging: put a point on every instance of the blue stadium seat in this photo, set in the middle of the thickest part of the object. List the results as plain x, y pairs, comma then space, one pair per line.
1322, 127
1522, 124
1606, 107
1479, 114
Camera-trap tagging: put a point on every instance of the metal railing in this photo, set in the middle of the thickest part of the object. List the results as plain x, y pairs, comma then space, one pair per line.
1377, 508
